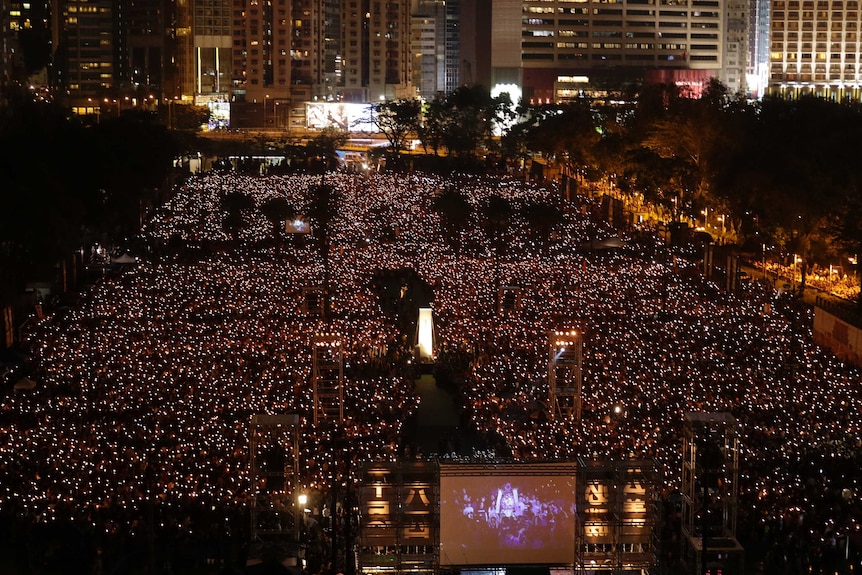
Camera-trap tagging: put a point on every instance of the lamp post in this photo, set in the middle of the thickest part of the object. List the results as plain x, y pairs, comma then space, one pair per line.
265, 106
299, 514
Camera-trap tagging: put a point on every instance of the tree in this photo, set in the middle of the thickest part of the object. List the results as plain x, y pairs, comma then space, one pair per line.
694, 132
323, 207
664, 182
569, 129
454, 210
277, 211
135, 153
497, 213
848, 231
46, 192
542, 218
430, 129
324, 148
184, 116
235, 206
468, 116
397, 120
805, 154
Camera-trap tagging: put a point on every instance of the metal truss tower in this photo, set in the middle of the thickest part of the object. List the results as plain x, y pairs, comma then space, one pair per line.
710, 494
327, 377
565, 357
273, 472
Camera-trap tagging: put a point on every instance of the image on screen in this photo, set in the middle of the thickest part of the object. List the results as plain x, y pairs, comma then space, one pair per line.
507, 519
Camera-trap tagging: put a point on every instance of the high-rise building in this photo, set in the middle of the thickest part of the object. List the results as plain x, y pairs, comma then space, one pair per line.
261, 40
436, 46
815, 49
475, 46
376, 50
305, 57
734, 62
141, 45
25, 44
428, 31
554, 50
452, 46
264, 55
332, 61
203, 58
112, 55
86, 54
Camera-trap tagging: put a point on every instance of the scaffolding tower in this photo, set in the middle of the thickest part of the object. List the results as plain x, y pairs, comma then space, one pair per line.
510, 300
564, 373
273, 472
314, 301
710, 495
399, 518
327, 377
616, 516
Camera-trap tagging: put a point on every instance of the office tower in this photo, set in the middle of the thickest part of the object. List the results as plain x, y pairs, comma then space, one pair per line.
815, 49
376, 50
9, 46
141, 47
86, 59
475, 54
113, 55
201, 61
561, 49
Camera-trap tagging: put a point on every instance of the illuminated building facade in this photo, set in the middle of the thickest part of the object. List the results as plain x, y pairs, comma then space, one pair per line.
436, 46
25, 42
815, 49
757, 74
261, 32
428, 48
376, 50
87, 42
212, 45
542, 46
113, 55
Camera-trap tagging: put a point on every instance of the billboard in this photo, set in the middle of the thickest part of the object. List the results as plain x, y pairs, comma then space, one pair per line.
507, 514
345, 116
298, 225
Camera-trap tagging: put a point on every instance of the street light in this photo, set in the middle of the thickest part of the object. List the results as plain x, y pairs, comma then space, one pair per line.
265, 105
299, 513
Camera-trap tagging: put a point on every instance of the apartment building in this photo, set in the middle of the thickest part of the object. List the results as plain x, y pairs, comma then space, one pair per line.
376, 50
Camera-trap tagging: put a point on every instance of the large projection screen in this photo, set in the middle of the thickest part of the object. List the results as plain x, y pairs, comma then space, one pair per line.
507, 514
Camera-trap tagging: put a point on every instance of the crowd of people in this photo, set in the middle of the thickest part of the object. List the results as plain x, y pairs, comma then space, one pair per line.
146, 391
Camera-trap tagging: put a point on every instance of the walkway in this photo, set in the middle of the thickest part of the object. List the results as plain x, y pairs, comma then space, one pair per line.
435, 428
